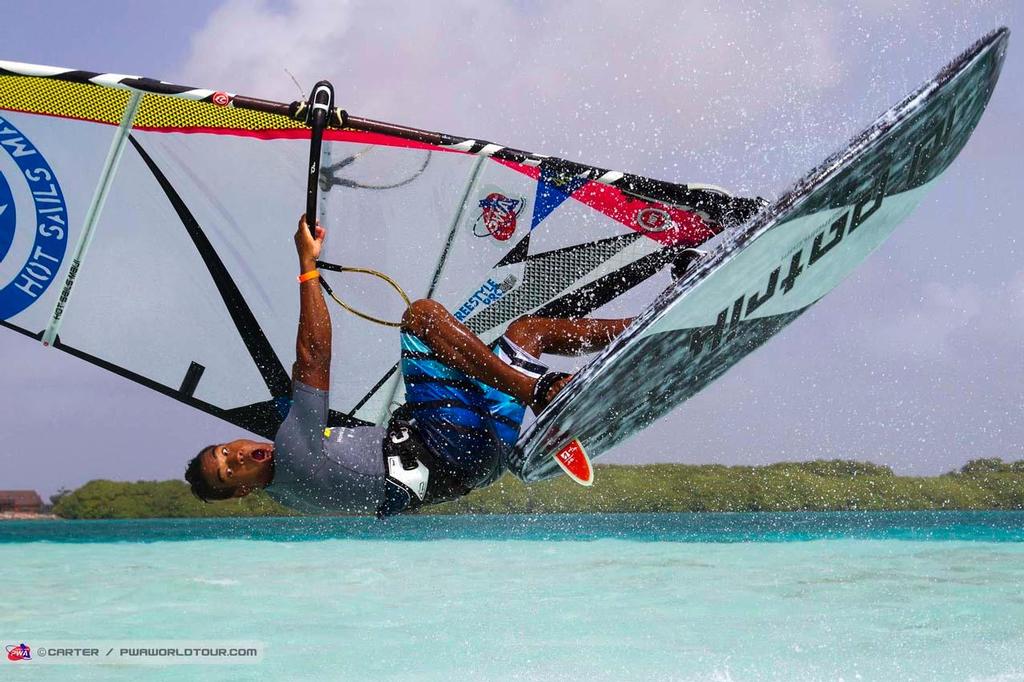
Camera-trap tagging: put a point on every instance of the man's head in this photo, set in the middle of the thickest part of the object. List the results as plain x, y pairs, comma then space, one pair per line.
227, 470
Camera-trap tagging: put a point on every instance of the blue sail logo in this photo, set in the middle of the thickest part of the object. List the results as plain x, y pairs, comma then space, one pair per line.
49, 223
8, 217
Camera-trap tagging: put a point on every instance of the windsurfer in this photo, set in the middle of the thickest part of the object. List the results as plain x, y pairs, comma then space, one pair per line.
464, 407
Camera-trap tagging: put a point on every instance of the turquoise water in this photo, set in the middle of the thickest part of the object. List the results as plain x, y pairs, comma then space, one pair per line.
611, 597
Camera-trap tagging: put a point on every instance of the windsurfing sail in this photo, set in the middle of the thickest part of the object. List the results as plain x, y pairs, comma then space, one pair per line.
762, 276
146, 227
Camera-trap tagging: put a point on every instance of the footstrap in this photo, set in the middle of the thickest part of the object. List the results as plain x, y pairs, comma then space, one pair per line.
544, 385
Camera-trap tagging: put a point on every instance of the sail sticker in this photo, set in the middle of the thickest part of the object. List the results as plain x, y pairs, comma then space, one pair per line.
490, 292
498, 217
574, 462
50, 225
654, 220
668, 225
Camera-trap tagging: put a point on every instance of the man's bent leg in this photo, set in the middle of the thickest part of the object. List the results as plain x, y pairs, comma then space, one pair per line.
458, 347
540, 335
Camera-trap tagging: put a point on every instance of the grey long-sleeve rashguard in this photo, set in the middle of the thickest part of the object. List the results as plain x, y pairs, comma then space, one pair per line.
325, 471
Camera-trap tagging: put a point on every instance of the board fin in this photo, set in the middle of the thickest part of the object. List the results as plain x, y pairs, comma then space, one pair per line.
574, 461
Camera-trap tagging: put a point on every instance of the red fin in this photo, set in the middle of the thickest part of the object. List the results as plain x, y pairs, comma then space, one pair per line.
574, 461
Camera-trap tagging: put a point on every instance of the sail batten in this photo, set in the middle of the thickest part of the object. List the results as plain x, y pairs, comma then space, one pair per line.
92, 216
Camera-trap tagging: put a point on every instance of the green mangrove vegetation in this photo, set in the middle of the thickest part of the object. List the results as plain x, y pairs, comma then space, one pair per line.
821, 485
155, 499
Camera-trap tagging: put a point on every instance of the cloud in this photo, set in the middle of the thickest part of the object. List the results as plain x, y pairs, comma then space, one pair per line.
743, 94
647, 86
946, 318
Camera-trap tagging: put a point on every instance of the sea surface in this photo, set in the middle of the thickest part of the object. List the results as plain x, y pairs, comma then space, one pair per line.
797, 596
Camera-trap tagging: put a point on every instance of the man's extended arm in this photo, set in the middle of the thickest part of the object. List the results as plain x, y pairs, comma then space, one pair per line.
313, 342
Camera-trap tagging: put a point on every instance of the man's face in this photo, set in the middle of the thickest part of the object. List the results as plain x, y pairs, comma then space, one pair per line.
242, 465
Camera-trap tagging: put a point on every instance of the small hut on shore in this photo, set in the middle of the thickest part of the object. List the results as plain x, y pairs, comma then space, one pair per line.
21, 501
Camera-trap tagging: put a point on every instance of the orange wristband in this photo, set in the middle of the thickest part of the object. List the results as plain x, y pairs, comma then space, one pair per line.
306, 276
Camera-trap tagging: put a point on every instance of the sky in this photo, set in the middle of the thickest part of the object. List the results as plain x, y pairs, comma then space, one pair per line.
915, 361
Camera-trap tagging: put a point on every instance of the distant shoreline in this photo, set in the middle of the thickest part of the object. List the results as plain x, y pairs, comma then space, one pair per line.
26, 516
820, 485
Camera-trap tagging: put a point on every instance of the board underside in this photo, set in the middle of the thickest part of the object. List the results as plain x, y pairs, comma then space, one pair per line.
771, 270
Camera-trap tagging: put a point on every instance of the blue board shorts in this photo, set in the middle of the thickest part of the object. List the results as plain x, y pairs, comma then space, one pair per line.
467, 423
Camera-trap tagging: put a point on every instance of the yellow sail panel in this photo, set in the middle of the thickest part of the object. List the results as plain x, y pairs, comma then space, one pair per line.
100, 104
